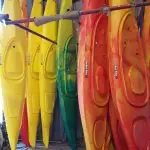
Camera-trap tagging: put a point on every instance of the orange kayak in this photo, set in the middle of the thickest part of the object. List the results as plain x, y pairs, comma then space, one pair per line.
23, 4
130, 106
93, 83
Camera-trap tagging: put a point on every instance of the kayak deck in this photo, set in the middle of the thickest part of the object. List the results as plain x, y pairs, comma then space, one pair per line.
129, 82
13, 72
93, 82
33, 96
66, 74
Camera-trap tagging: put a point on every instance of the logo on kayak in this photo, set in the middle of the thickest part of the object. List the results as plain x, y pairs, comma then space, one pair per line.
116, 71
86, 69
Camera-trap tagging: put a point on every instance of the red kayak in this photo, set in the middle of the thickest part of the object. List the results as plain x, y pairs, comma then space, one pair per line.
24, 127
93, 83
130, 106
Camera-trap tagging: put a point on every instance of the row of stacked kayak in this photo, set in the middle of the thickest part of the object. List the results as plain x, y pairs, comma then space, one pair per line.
112, 75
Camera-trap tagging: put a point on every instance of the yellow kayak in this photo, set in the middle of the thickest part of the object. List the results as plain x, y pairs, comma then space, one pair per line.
33, 96
48, 72
13, 72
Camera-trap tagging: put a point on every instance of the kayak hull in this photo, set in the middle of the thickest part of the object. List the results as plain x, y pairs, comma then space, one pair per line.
13, 72
24, 125
93, 83
66, 56
48, 73
129, 83
33, 63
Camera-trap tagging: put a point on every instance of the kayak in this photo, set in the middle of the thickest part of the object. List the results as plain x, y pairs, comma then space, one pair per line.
66, 57
13, 72
130, 105
33, 63
48, 72
93, 78
24, 125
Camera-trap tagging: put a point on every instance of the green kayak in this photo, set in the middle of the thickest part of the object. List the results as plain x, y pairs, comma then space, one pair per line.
67, 75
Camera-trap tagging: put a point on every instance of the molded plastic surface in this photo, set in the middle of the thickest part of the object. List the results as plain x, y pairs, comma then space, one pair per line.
24, 126
48, 73
13, 72
33, 65
130, 106
66, 74
93, 83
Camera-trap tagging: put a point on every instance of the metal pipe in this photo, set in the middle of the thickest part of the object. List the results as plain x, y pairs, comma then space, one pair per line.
72, 15
33, 32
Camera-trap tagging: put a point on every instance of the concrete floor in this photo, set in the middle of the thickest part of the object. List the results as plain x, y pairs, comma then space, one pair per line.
59, 148
53, 147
